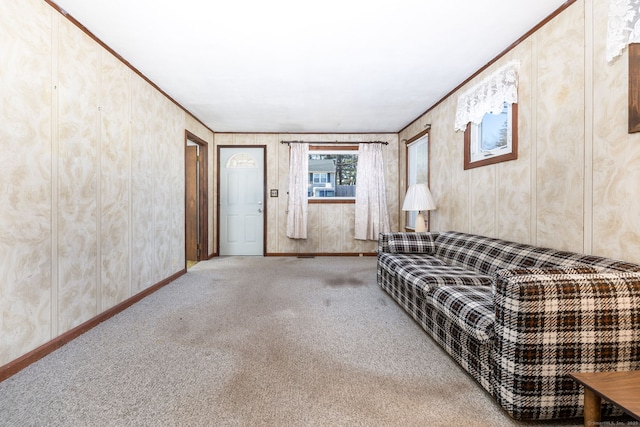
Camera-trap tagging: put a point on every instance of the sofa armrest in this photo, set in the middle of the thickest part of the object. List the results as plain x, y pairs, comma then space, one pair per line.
550, 323
407, 243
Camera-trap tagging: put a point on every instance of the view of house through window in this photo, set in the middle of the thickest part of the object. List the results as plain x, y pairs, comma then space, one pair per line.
332, 174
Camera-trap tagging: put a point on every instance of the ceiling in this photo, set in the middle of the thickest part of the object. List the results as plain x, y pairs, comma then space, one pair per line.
308, 66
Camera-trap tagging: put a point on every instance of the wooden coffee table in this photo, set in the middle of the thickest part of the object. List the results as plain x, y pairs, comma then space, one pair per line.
620, 388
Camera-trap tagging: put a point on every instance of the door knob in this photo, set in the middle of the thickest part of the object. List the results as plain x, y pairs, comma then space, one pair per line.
259, 210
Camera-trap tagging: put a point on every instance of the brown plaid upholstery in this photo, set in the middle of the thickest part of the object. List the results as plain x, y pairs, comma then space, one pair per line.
517, 317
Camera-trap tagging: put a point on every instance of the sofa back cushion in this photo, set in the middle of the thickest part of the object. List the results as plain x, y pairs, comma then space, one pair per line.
406, 243
488, 255
483, 254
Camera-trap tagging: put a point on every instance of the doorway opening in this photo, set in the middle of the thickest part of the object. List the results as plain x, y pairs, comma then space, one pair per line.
196, 200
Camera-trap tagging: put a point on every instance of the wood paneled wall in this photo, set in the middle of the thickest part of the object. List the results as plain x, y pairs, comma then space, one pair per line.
576, 182
92, 183
330, 226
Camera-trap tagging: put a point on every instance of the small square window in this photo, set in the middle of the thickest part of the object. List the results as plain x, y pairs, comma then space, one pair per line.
332, 173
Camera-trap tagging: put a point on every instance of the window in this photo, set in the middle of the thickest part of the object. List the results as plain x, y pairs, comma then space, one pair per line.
494, 140
417, 169
319, 178
332, 173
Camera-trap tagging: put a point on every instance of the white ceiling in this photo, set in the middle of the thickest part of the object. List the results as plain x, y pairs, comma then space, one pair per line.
308, 66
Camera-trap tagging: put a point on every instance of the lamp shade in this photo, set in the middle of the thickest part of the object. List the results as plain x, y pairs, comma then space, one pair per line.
418, 198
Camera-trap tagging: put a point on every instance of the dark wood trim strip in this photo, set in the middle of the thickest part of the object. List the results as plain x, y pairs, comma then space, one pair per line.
417, 136
331, 200
22, 362
203, 194
314, 254
529, 33
84, 29
634, 87
353, 147
306, 133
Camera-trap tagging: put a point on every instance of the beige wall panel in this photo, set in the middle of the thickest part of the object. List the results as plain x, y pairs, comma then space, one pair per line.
349, 244
449, 182
370, 247
142, 185
175, 128
25, 181
331, 228
79, 123
164, 173
514, 200
312, 244
224, 139
616, 155
271, 142
514, 210
482, 200
560, 131
115, 191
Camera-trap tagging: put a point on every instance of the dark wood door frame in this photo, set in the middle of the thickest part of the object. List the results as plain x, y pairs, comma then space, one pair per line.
203, 196
264, 194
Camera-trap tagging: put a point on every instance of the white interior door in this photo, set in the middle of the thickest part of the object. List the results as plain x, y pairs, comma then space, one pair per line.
241, 201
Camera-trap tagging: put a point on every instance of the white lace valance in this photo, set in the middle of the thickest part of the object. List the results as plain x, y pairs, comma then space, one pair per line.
488, 96
623, 26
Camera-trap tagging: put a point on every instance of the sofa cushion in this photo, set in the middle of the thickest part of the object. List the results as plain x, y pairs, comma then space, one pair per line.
391, 262
423, 279
470, 307
404, 243
482, 254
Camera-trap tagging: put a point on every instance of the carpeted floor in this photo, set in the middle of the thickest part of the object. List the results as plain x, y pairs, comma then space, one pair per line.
252, 341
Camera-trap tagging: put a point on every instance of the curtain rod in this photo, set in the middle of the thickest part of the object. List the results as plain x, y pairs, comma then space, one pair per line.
336, 142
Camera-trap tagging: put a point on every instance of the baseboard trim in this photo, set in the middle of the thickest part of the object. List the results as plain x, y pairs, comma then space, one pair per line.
22, 362
313, 254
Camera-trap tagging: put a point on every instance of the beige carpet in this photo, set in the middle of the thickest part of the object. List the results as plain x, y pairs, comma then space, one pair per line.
251, 341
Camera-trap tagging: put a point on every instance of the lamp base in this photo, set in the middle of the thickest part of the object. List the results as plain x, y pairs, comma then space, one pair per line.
420, 227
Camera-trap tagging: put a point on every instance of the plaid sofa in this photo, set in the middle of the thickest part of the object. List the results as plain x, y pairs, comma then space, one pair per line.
517, 317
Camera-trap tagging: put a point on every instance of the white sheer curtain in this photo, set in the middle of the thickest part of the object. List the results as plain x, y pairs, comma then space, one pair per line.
298, 180
371, 213
488, 96
623, 26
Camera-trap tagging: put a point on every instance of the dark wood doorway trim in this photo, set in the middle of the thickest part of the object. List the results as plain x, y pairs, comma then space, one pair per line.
264, 194
203, 196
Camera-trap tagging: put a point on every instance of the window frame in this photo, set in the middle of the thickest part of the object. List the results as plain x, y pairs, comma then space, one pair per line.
415, 142
471, 141
332, 148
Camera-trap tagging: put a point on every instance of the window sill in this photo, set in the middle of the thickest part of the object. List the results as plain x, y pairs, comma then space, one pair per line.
334, 200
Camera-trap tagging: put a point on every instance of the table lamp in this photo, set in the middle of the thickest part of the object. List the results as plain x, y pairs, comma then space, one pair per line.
419, 199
